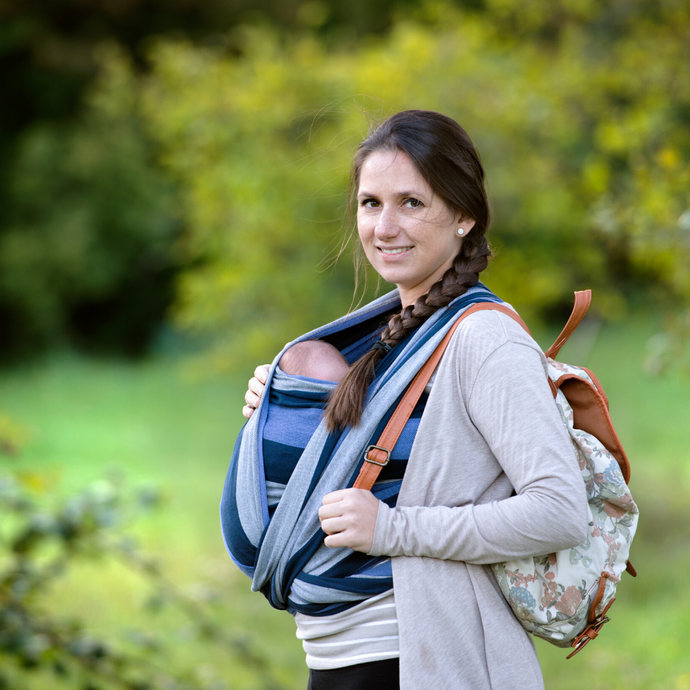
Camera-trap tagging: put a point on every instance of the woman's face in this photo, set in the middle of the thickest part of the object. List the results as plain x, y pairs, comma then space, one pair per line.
409, 234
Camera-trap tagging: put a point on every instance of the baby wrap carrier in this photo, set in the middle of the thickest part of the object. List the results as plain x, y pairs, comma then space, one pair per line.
285, 461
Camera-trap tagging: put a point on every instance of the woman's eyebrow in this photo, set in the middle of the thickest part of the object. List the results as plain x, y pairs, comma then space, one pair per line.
402, 194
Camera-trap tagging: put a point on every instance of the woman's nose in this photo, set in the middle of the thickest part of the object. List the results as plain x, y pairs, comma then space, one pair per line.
387, 225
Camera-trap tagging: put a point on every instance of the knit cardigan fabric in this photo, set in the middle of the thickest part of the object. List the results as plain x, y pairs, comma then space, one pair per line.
492, 476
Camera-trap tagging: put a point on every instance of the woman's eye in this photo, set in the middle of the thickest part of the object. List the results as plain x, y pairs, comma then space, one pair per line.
369, 203
413, 203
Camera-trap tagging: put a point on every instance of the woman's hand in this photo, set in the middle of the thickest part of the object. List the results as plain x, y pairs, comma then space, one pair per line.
348, 517
255, 390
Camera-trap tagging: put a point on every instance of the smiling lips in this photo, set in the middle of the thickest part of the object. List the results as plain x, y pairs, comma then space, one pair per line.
393, 250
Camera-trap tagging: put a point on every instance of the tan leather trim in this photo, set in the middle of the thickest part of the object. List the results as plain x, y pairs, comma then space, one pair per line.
589, 403
591, 414
583, 298
600, 388
492, 306
597, 598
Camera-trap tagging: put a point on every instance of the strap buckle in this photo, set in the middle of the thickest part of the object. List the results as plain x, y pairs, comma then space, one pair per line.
377, 462
587, 635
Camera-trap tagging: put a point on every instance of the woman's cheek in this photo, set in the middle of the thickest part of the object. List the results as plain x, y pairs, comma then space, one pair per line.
366, 237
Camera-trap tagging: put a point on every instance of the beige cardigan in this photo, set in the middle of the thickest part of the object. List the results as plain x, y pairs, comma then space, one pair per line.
492, 475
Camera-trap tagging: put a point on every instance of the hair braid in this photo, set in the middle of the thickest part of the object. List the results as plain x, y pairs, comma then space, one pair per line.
347, 400
445, 157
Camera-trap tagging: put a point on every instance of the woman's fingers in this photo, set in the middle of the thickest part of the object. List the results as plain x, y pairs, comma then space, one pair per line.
261, 373
255, 389
335, 505
252, 397
348, 517
257, 384
335, 497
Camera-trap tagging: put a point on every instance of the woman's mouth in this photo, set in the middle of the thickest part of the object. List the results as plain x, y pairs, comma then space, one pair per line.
393, 250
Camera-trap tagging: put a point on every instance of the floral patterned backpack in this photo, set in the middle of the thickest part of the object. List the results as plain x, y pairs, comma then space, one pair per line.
561, 597
564, 597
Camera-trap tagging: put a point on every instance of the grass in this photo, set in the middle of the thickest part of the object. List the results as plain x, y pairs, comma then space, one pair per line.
88, 416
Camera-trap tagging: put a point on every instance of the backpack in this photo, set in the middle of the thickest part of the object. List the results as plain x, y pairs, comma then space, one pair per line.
561, 597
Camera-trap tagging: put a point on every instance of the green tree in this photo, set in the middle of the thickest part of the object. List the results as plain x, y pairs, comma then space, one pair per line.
579, 108
79, 191
85, 251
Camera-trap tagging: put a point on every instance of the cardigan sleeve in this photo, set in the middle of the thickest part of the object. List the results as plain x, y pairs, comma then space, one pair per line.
509, 403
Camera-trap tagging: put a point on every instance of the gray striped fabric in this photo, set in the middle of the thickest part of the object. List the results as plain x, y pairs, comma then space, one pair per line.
283, 552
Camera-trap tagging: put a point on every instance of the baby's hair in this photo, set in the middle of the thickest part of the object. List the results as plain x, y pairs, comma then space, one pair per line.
315, 359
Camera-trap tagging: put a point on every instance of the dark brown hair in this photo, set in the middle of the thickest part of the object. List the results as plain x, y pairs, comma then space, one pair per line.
445, 157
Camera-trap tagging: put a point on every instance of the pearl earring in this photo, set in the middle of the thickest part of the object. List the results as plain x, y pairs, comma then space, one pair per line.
461, 231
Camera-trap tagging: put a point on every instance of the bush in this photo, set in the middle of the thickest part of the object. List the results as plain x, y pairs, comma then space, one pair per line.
42, 541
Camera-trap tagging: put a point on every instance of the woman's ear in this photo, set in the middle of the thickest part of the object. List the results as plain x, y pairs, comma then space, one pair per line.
465, 224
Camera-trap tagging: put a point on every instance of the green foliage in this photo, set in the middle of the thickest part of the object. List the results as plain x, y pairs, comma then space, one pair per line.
42, 540
40, 543
580, 110
86, 228
13, 435
262, 180
85, 244
668, 351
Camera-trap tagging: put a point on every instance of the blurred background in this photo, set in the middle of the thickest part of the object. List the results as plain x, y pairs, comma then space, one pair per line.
173, 196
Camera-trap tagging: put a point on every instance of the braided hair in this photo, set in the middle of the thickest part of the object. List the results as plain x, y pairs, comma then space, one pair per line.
445, 157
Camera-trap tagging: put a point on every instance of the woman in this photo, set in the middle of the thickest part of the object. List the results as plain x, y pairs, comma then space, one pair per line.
484, 472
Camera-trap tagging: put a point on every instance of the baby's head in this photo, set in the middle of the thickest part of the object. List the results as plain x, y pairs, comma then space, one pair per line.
314, 359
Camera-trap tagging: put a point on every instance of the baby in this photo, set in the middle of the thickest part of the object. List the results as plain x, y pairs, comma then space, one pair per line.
314, 359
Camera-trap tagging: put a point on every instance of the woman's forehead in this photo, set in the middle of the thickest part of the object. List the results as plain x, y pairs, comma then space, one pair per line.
390, 169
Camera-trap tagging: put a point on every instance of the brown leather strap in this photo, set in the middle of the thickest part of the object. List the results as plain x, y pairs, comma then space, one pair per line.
591, 618
376, 457
594, 622
583, 298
